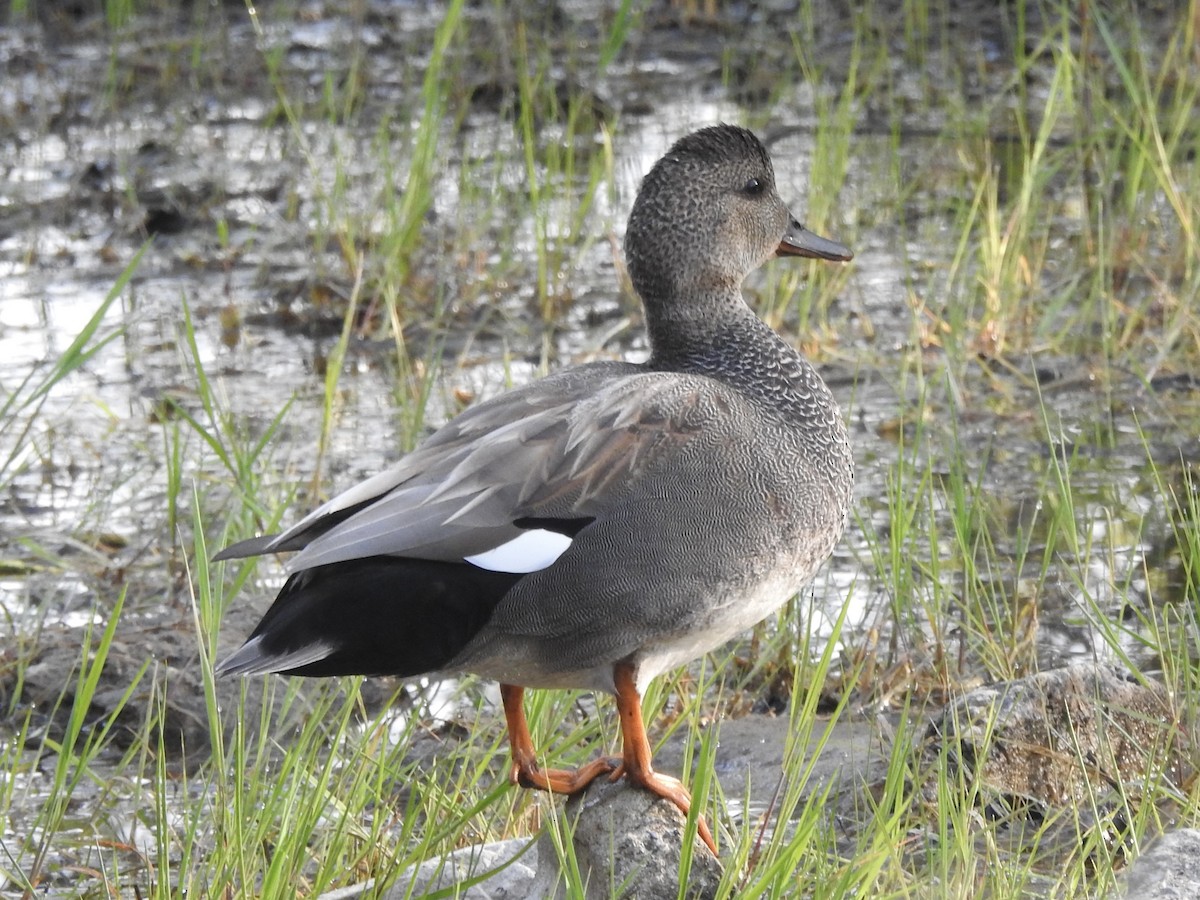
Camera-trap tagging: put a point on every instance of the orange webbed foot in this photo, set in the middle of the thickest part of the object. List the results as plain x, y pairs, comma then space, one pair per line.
528, 774
526, 771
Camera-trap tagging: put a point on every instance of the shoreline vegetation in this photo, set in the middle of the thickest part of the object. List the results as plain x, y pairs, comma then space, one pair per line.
251, 254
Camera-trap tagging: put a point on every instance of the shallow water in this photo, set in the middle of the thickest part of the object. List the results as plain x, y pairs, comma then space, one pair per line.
235, 205
243, 211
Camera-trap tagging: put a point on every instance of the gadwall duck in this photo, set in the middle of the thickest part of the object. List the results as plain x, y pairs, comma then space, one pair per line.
608, 522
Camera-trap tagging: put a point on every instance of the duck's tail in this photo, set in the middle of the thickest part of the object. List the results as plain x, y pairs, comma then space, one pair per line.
382, 615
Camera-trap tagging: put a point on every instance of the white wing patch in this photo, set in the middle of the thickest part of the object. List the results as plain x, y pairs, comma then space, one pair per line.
530, 551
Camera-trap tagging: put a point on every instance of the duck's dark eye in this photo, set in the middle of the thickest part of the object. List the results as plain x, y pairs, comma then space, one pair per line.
753, 187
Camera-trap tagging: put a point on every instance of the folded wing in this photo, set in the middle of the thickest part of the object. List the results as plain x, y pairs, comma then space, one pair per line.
508, 484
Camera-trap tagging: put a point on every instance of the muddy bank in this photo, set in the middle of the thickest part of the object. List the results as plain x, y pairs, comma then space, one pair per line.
267, 169
114, 138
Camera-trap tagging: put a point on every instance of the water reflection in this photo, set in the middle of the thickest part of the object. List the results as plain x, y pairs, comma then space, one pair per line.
975, 486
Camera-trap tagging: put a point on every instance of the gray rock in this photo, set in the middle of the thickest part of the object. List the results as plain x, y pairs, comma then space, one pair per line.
626, 843
1168, 870
511, 863
1056, 736
1060, 758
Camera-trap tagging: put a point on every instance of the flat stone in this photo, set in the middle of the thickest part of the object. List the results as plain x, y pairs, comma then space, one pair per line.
1168, 870
511, 863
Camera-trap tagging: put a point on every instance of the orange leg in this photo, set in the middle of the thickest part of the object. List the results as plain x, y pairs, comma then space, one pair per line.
525, 769
636, 764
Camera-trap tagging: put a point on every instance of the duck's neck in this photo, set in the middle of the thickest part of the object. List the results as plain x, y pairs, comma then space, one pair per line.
710, 334
739, 349
721, 337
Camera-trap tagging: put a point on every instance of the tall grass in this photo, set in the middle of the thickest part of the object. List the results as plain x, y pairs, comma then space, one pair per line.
1059, 206
21, 404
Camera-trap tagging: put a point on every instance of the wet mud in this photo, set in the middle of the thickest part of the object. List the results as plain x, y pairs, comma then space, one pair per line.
119, 139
